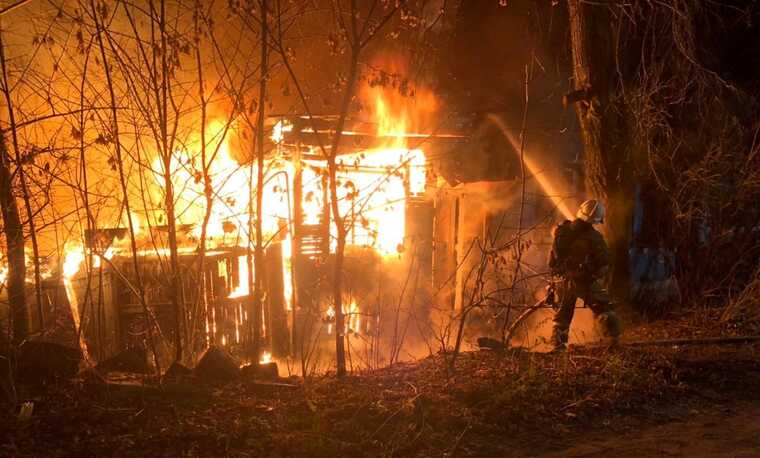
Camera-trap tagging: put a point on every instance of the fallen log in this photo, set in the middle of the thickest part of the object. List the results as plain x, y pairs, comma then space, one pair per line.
260, 371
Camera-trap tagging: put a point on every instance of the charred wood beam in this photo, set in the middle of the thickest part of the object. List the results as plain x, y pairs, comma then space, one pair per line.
354, 141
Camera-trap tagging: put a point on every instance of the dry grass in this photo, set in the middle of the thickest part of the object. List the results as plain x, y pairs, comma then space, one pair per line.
744, 310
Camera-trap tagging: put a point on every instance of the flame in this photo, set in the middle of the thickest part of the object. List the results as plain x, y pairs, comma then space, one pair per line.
287, 266
237, 328
382, 191
373, 187
353, 317
266, 358
136, 223
229, 184
241, 290
374, 184
330, 318
279, 129
352, 314
108, 255
71, 265
73, 261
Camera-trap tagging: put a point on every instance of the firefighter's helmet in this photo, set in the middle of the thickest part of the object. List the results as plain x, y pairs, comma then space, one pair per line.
591, 211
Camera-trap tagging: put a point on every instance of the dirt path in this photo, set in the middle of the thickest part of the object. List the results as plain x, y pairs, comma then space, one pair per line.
731, 430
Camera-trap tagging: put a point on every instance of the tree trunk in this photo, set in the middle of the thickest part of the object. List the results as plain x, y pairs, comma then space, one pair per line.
175, 294
259, 253
357, 41
332, 168
14, 237
609, 172
340, 328
149, 321
207, 190
175, 279
24, 188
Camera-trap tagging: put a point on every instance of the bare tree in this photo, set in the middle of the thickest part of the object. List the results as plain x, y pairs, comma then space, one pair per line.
356, 37
22, 178
123, 182
259, 250
14, 239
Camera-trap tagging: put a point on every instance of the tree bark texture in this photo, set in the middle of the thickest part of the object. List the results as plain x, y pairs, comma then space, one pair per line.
608, 169
23, 187
14, 237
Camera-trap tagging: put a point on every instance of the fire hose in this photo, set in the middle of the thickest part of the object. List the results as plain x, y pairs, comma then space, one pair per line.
724, 340
550, 301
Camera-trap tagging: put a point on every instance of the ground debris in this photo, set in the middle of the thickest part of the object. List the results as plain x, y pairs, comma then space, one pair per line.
260, 371
514, 403
45, 361
133, 359
217, 365
178, 371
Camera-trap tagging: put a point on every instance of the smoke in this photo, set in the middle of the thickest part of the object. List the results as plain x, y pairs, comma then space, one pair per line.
536, 333
515, 223
538, 170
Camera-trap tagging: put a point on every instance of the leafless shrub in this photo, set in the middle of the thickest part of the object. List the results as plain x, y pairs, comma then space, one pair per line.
744, 310
694, 141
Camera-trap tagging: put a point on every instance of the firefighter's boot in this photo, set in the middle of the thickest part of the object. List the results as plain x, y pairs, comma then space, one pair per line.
559, 339
611, 323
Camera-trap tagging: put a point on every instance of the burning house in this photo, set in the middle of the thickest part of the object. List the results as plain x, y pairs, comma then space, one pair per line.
415, 205
419, 190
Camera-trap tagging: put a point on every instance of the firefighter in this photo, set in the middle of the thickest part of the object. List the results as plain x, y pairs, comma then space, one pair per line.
579, 261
